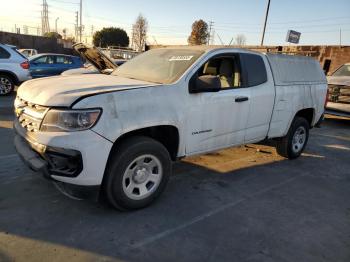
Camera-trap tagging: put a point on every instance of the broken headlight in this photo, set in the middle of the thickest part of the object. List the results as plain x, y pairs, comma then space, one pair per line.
57, 120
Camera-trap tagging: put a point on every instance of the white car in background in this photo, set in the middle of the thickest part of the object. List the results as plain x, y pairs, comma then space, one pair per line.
339, 92
14, 69
28, 52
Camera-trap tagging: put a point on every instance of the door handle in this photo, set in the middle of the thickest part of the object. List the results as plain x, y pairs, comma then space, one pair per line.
241, 99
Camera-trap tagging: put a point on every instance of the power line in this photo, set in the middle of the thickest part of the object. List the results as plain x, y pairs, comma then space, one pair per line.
65, 2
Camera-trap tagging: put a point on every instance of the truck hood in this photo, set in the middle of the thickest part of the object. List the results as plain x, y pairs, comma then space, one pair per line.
339, 80
95, 57
64, 90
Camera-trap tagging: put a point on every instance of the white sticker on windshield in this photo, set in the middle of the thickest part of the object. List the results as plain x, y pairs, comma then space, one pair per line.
181, 58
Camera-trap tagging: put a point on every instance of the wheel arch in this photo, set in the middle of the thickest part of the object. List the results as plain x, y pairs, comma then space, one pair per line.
10, 74
167, 135
308, 114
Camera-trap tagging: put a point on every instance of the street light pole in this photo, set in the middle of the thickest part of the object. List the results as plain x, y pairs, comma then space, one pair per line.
267, 13
56, 24
81, 20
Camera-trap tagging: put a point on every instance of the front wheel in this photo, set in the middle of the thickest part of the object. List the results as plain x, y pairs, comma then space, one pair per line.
6, 85
137, 173
292, 145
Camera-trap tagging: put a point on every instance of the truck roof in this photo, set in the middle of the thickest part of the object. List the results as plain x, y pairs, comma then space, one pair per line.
207, 48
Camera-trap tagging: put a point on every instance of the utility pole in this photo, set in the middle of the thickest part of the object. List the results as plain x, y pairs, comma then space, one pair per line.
25, 29
92, 34
211, 24
267, 13
76, 26
56, 24
133, 37
45, 26
81, 20
340, 37
212, 38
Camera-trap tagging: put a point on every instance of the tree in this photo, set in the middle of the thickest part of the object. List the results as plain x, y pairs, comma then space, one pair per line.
199, 34
240, 39
53, 35
139, 30
111, 36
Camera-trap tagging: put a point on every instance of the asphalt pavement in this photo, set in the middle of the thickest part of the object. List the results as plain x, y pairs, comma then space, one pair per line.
238, 204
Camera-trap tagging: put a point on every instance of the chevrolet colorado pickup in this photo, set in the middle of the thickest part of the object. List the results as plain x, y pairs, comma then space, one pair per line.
122, 131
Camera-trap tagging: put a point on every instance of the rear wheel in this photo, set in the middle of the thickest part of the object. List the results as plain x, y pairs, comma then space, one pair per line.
137, 173
292, 145
6, 85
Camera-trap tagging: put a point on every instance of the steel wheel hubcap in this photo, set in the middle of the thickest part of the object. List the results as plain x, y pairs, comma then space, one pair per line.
142, 177
299, 139
5, 85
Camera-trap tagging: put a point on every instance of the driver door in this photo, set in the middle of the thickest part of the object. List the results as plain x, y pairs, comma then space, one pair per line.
217, 120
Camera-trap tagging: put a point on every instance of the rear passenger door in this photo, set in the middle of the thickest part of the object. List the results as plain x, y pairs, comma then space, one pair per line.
63, 63
262, 95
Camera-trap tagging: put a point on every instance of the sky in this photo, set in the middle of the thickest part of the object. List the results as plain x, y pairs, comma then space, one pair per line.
170, 22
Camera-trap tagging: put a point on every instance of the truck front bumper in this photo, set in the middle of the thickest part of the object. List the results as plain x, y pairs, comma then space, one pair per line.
77, 158
49, 160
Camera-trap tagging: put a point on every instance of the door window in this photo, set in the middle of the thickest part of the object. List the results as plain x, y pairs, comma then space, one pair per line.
227, 68
45, 60
4, 54
64, 60
255, 69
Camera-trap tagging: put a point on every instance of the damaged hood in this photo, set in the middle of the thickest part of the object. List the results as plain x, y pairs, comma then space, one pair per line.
64, 90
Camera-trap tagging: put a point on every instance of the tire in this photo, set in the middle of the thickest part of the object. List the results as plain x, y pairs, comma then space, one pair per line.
292, 148
137, 173
6, 85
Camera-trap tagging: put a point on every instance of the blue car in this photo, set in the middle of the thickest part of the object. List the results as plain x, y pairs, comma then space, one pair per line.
42, 65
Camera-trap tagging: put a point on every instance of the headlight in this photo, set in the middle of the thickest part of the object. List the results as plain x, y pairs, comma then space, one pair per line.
57, 120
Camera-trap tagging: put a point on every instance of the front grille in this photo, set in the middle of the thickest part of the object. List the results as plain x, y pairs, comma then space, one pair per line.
339, 94
29, 115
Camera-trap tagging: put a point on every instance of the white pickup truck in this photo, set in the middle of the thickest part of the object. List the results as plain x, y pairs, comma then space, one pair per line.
122, 131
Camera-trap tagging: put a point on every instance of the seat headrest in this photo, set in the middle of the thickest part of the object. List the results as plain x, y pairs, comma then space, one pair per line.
226, 68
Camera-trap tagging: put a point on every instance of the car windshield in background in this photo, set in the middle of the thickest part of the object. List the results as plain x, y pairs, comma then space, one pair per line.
159, 65
342, 71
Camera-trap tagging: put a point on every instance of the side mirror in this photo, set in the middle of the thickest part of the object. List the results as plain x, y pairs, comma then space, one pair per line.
206, 83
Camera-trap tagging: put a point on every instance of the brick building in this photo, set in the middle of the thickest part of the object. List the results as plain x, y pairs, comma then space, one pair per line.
330, 57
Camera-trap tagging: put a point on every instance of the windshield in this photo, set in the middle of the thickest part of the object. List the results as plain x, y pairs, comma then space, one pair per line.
159, 65
343, 71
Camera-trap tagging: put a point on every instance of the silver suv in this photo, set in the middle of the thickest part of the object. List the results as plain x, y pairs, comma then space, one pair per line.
14, 69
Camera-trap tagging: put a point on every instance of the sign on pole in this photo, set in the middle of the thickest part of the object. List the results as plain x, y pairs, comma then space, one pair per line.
293, 36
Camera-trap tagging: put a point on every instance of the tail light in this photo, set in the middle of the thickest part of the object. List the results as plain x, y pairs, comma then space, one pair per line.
25, 65
327, 98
